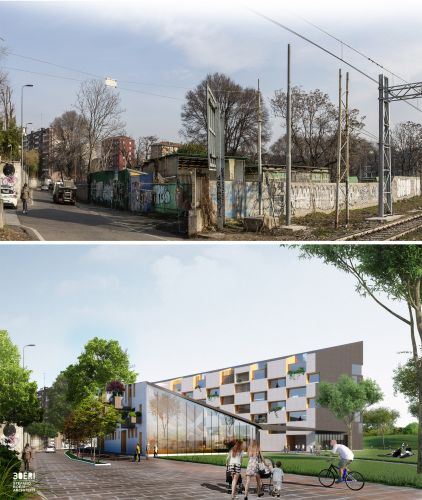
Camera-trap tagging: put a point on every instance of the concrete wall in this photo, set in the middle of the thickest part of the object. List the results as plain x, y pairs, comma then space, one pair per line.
241, 199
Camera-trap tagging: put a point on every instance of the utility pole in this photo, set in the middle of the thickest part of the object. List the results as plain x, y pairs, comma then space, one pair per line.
343, 154
259, 153
289, 143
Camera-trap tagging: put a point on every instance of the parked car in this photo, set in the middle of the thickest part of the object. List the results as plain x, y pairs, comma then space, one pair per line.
50, 449
44, 187
9, 196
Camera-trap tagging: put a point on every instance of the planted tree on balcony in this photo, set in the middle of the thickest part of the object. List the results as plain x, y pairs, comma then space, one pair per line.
296, 372
116, 387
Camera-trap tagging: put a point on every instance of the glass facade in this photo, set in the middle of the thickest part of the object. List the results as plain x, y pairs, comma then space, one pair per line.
179, 426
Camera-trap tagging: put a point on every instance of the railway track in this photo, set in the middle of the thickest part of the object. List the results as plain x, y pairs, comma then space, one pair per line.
390, 231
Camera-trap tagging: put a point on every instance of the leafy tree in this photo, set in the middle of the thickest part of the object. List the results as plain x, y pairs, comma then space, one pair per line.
411, 428
101, 362
381, 419
18, 396
59, 406
314, 126
99, 107
192, 149
10, 141
405, 381
346, 397
94, 418
32, 161
393, 270
239, 107
42, 429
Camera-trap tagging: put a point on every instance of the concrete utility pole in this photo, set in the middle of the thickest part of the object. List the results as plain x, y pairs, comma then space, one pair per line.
259, 153
289, 143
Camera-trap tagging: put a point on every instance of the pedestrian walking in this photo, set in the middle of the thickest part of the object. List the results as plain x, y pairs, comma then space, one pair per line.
155, 450
277, 477
234, 464
137, 453
27, 456
25, 197
252, 469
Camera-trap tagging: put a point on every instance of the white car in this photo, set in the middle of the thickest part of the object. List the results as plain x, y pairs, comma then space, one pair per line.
9, 196
50, 449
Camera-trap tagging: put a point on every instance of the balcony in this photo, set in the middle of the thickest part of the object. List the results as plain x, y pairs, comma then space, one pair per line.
129, 422
227, 379
242, 377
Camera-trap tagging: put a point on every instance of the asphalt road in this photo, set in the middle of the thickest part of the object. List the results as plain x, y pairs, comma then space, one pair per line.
64, 479
83, 222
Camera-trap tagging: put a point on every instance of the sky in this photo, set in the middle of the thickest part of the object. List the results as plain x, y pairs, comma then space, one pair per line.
166, 48
180, 309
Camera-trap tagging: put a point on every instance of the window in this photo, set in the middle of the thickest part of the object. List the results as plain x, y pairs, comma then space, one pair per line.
296, 416
242, 377
189, 394
313, 378
260, 418
277, 405
212, 394
311, 403
227, 377
227, 400
259, 374
259, 396
356, 369
243, 409
177, 387
243, 388
200, 382
275, 383
297, 392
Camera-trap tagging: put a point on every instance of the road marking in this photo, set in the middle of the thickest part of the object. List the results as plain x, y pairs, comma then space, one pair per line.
37, 234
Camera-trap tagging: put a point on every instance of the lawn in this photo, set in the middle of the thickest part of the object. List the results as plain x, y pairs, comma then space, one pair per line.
392, 442
395, 474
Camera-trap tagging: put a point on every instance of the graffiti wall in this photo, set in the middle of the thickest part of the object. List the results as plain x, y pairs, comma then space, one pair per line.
10, 175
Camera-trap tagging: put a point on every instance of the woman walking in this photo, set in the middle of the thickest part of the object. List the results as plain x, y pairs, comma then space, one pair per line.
234, 463
254, 455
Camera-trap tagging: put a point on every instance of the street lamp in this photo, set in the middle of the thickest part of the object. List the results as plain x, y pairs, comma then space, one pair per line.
23, 86
23, 353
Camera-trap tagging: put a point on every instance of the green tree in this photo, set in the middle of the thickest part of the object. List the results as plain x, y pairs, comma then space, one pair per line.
346, 397
101, 361
42, 429
405, 381
381, 419
411, 428
391, 270
192, 149
32, 161
18, 396
95, 419
59, 406
10, 141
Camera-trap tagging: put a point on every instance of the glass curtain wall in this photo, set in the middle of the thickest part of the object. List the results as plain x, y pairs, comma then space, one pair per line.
179, 426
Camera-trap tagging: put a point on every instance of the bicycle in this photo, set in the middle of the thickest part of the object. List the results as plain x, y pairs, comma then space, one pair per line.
354, 480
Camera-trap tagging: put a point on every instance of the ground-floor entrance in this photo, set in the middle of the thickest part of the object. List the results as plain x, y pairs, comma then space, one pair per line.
296, 442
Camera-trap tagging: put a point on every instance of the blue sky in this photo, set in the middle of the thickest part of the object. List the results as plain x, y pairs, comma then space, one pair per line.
180, 309
173, 45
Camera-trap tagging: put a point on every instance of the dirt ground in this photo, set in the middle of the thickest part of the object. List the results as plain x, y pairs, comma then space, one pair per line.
14, 234
318, 226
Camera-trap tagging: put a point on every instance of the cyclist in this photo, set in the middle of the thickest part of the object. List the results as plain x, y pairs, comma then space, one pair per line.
346, 457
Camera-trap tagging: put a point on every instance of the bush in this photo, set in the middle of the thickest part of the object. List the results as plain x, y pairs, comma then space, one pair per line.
9, 464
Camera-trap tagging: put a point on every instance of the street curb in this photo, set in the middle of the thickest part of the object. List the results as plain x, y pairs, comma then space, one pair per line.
85, 462
33, 231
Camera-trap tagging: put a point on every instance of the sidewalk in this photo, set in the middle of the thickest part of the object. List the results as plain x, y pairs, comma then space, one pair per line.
11, 219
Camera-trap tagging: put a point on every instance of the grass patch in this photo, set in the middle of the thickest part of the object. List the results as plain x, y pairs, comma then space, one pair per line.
375, 454
72, 456
392, 442
393, 474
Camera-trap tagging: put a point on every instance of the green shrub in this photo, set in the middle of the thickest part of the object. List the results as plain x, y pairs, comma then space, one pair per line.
9, 464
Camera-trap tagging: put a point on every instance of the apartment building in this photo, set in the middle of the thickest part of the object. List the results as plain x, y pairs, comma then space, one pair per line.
279, 395
154, 416
163, 148
41, 140
118, 153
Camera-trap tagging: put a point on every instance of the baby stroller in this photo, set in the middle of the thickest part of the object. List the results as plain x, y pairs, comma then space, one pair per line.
229, 480
266, 466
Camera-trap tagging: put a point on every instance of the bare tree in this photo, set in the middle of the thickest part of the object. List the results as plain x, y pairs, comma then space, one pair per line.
314, 126
239, 106
68, 145
7, 106
407, 148
100, 109
144, 147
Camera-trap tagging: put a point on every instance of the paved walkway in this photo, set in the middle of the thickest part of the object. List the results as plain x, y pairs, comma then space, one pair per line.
166, 479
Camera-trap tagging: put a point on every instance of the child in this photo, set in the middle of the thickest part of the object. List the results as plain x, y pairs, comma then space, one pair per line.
277, 478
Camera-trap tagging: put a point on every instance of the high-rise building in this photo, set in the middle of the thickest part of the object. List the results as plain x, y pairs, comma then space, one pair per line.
118, 153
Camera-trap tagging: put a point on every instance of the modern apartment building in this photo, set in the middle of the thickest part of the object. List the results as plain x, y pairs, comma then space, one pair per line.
154, 416
118, 152
41, 140
279, 395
